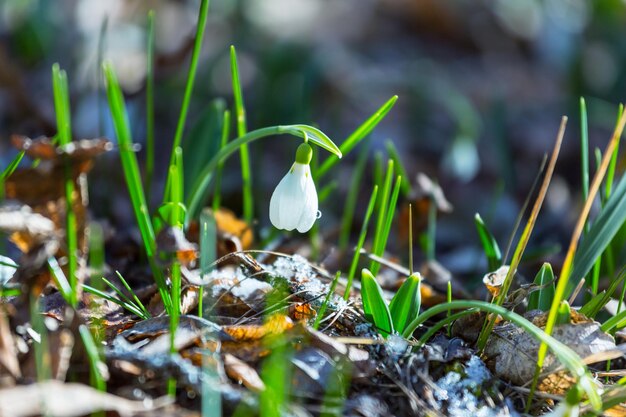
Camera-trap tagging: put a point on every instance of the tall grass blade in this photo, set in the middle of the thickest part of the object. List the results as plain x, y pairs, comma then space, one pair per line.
351, 199
357, 251
400, 168
244, 153
217, 193
359, 134
150, 106
208, 251
379, 249
489, 243
191, 76
133, 179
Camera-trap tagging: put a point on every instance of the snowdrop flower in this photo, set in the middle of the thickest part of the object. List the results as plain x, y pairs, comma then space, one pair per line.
294, 202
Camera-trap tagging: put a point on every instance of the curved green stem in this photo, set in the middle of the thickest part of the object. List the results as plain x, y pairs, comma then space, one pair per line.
567, 356
204, 179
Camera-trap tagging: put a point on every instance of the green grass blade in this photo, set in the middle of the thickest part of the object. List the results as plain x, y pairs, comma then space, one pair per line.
217, 193
64, 134
374, 305
60, 280
200, 187
400, 168
359, 134
597, 303
95, 360
360, 242
384, 236
351, 199
541, 299
136, 299
584, 148
489, 243
382, 204
322, 310
610, 173
96, 253
244, 153
10, 169
150, 106
600, 235
405, 304
191, 76
133, 178
130, 307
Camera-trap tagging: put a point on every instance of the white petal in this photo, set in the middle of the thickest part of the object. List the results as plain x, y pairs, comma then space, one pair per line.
309, 212
292, 197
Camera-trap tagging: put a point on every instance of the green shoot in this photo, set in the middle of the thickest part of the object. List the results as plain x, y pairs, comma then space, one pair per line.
191, 76
584, 148
541, 298
360, 242
351, 199
358, 135
564, 314
374, 305
381, 205
240, 114
95, 360
133, 178
150, 106
449, 300
322, 310
64, 134
381, 239
525, 236
217, 193
597, 303
490, 245
568, 357
136, 299
405, 304
400, 168
128, 306
610, 174
60, 280
96, 253
43, 364
200, 187
9, 170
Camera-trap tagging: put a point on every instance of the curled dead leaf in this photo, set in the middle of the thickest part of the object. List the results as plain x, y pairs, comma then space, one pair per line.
512, 353
276, 324
243, 373
494, 280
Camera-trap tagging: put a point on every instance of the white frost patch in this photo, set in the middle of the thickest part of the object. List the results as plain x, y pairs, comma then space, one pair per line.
457, 391
250, 286
292, 267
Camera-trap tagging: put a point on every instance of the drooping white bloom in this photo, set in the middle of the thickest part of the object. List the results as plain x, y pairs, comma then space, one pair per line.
294, 202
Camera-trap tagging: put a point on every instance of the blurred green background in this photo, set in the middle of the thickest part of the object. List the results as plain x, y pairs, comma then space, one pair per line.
482, 87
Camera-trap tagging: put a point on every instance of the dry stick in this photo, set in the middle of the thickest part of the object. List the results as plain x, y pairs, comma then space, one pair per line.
573, 245
525, 237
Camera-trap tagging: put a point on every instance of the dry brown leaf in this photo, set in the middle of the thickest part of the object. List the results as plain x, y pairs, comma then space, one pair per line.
172, 241
68, 400
8, 350
26, 229
229, 224
243, 373
276, 324
301, 311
